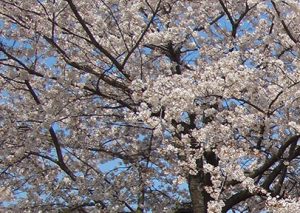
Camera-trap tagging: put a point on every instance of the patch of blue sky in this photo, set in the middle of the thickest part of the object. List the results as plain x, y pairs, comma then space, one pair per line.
50, 61
4, 96
168, 187
111, 165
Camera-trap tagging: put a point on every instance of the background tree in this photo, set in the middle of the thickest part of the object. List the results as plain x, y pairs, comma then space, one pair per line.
150, 105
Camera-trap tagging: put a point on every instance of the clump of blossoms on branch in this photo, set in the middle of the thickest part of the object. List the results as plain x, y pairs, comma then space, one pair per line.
149, 105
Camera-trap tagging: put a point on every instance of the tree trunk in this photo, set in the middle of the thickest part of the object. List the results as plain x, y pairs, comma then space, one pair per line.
198, 194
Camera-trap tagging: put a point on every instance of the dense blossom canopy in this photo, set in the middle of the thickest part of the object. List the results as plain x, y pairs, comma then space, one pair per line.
150, 105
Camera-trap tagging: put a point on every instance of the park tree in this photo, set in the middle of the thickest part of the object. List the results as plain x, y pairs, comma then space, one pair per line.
150, 106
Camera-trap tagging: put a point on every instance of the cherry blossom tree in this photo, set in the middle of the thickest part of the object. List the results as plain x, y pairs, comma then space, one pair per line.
150, 106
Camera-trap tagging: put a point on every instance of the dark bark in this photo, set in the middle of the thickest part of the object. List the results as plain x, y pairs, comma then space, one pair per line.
198, 194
